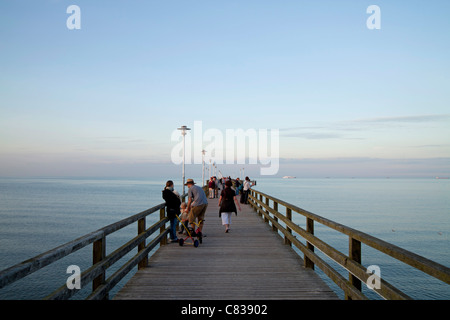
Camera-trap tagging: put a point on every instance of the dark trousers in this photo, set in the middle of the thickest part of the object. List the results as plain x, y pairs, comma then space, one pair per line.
244, 197
173, 228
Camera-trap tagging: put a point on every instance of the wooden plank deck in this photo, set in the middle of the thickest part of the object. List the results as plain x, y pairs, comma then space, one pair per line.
248, 263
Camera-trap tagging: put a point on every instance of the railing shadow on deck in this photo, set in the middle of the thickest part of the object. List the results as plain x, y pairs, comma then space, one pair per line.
352, 263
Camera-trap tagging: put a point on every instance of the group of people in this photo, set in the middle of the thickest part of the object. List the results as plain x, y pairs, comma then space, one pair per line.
215, 185
195, 209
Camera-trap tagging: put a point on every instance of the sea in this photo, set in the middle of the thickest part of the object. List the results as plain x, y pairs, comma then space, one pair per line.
39, 214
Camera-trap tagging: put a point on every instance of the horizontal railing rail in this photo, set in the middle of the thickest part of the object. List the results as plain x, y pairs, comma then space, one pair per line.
352, 263
100, 262
96, 274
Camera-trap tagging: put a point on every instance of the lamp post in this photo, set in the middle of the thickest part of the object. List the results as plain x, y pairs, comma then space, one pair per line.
210, 171
203, 167
183, 133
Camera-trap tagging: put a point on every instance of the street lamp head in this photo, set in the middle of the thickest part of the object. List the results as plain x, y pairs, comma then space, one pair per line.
183, 129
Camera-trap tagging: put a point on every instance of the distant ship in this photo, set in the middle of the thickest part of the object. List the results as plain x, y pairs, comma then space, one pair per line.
288, 177
441, 177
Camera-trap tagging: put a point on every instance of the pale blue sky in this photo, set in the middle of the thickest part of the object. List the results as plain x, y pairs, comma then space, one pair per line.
77, 102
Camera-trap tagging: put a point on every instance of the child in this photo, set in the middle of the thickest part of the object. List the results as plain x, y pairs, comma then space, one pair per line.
184, 217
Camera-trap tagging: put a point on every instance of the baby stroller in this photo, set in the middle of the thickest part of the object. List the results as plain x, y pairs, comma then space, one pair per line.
191, 234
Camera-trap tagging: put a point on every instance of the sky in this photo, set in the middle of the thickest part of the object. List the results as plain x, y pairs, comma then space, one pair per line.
105, 100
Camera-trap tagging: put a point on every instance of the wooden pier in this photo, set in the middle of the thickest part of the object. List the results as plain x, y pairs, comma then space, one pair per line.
256, 260
250, 262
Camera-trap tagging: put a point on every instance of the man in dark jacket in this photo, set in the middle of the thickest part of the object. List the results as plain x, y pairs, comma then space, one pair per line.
173, 203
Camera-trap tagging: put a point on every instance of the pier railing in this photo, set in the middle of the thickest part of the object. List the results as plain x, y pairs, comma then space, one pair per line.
351, 262
100, 261
96, 274
266, 206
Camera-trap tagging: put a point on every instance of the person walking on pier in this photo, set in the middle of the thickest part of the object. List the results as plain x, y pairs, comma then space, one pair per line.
211, 187
237, 184
173, 203
216, 187
196, 206
227, 204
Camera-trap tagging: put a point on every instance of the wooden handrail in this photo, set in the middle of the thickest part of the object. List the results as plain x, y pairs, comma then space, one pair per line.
261, 203
357, 272
38, 262
99, 268
96, 273
100, 262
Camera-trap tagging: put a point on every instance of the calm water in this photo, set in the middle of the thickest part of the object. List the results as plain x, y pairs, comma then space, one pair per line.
39, 214
413, 214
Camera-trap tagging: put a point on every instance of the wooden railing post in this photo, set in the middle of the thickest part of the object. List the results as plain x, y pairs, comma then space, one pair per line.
260, 206
310, 229
141, 229
254, 204
162, 215
255, 196
98, 254
267, 211
289, 217
354, 253
275, 207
